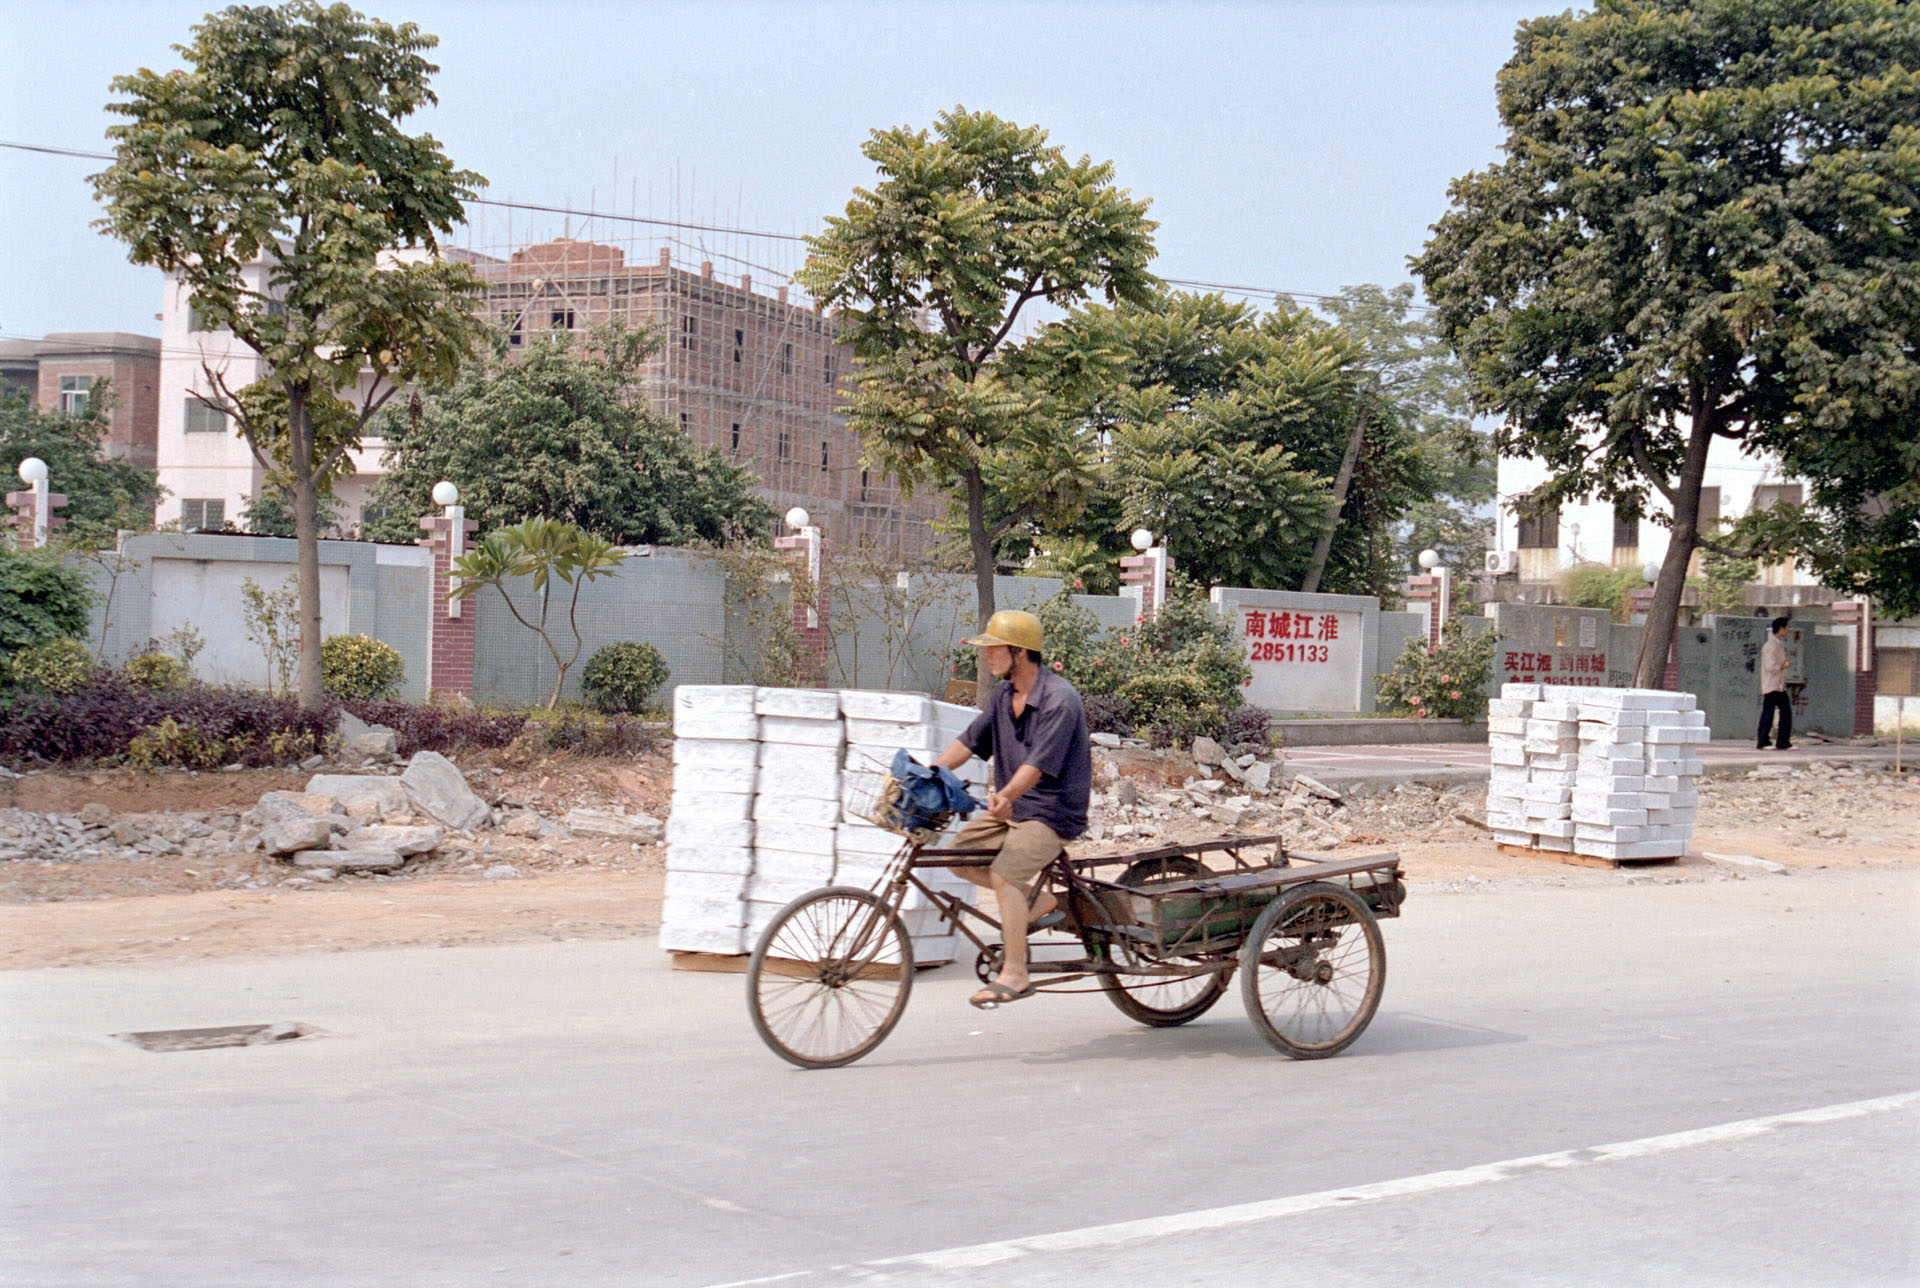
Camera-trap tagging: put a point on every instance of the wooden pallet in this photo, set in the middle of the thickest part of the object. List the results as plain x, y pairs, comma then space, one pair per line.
1582, 860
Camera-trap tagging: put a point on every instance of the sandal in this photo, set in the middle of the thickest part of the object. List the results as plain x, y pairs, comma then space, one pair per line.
999, 994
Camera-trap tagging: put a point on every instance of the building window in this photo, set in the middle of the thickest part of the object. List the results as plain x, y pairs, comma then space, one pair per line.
194, 321
739, 345
562, 320
75, 392
734, 444
829, 370
686, 422
1539, 531
1626, 530
784, 449
1709, 511
514, 334
687, 327
202, 419
1768, 495
823, 458
863, 485
200, 516
786, 359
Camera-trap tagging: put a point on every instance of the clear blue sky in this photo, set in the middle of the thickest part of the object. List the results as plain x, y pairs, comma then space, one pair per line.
1298, 146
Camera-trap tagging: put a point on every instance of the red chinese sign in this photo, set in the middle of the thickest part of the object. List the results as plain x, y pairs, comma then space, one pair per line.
1554, 668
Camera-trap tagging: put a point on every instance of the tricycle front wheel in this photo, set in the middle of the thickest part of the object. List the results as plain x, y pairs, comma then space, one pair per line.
829, 978
1312, 969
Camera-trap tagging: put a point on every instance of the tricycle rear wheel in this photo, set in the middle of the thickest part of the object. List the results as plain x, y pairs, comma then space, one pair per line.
829, 978
1312, 969
1159, 1001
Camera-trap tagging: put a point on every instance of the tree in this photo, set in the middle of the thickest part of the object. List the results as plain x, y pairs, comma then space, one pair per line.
1702, 231
273, 179
548, 551
1225, 431
564, 433
1417, 373
103, 496
932, 270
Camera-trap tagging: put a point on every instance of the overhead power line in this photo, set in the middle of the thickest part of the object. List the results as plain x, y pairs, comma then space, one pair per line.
598, 215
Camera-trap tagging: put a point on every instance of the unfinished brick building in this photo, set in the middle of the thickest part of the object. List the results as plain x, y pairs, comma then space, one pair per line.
753, 375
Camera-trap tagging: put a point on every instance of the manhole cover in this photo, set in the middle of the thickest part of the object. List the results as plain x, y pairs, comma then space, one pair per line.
226, 1035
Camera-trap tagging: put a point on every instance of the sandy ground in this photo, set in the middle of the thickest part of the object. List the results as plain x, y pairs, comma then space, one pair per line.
498, 889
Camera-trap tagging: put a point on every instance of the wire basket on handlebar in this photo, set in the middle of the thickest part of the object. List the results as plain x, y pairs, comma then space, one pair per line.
909, 799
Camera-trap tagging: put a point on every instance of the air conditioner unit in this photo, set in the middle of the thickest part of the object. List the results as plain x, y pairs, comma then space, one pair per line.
1503, 561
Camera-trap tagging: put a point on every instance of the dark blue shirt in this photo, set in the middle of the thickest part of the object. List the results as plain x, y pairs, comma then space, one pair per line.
1050, 735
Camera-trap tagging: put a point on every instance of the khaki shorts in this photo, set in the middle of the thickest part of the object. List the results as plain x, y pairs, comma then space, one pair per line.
1025, 848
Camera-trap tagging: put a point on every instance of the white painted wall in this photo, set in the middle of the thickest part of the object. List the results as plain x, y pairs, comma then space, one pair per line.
205, 594
1586, 530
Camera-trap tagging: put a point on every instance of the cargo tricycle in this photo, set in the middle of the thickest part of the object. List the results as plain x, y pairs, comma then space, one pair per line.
1160, 931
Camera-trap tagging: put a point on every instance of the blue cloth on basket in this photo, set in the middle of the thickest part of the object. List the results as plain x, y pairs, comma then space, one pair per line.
928, 793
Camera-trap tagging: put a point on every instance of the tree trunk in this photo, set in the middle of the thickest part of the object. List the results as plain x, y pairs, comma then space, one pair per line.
1329, 525
1656, 637
306, 533
982, 546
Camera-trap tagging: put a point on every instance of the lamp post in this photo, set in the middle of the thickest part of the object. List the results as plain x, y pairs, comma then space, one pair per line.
1146, 569
807, 540
33, 472
447, 496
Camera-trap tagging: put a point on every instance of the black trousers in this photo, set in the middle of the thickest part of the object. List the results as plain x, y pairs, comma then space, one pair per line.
1769, 703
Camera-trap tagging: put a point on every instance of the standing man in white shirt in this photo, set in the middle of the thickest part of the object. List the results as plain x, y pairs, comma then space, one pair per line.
1774, 665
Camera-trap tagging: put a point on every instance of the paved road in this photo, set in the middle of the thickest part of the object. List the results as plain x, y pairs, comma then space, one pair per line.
1612, 1082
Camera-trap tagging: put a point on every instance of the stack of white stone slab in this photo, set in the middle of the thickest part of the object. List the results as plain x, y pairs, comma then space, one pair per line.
716, 758
759, 815
1602, 773
796, 811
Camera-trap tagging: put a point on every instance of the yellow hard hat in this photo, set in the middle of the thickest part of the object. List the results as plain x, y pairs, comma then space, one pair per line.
1013, 628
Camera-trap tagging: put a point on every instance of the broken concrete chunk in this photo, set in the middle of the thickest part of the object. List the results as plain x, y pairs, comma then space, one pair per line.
1208, 752
94, 814
371, 860
643, 829
405, 840
285, 807
347, 788
298, 834
1313, 785
1259, 778
436, 786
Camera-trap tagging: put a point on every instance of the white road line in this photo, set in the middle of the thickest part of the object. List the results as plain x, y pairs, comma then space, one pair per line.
1163, 1227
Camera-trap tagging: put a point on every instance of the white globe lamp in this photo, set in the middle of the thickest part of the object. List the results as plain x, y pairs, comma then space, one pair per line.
1650, 572
445, 493
33, 471
797, 517
1429, 559
1142, 540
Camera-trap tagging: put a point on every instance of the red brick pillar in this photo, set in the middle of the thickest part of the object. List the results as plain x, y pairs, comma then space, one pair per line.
1428, 596
805, 554
1858, 614
1148, 570
450, 625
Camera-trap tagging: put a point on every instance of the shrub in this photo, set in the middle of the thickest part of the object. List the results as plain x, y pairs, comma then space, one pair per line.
40, 600
154, 671
1173, 707
621, 677
101, 719
172, 743
58, 665
358, 666
423, 727
1447, 682
571, 728
1106, 714
1249, 724
1596, 585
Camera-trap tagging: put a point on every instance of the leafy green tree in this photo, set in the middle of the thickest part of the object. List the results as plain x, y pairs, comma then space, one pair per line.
40, 600
1702, 231
272, 178
931, 271
546, 551
564, 432
1420, 378
1225, 431
103, 496
270, 514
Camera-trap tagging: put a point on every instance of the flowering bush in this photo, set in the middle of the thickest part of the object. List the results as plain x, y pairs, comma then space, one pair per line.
1444, 682
359, 666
